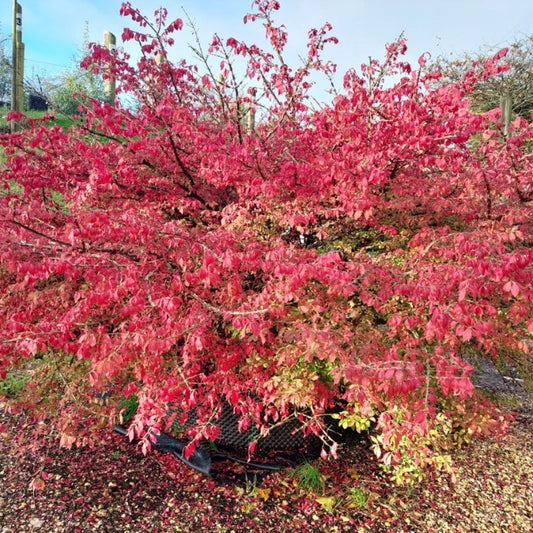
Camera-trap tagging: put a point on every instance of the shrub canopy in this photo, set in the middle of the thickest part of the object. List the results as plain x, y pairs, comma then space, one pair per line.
363, 254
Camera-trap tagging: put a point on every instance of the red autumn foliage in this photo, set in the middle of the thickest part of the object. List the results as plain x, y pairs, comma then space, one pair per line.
354, 253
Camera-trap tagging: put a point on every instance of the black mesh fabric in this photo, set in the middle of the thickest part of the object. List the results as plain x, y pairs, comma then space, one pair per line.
283, 437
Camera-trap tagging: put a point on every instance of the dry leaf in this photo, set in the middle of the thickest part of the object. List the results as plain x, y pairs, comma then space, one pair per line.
327, 502
264, 494
37, 484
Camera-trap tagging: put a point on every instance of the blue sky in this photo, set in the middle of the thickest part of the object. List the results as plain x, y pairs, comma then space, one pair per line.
53, 29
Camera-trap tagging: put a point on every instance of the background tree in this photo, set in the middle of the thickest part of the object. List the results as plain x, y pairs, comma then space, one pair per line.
515, 84
64, 95
5, 70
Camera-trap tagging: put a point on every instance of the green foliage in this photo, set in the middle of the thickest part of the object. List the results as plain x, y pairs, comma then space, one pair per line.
308, 478
504, 400
358, 497
64, 121
516, 83
66, 97
406, 457
76, 84
12, 384
13, 189
128, 408
5, 71
356, 420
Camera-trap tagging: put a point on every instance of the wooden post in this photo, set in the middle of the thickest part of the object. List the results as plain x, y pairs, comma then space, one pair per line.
250, 116
17, 80
506, 103
110, 42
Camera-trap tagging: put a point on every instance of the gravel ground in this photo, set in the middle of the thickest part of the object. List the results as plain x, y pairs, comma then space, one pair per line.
113, 488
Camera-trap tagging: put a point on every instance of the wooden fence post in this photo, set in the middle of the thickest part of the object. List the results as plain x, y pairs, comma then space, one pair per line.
110, 42
506, 103
250, 115
17, 80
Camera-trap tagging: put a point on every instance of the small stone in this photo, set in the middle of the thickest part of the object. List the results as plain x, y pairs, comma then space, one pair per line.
36, 523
